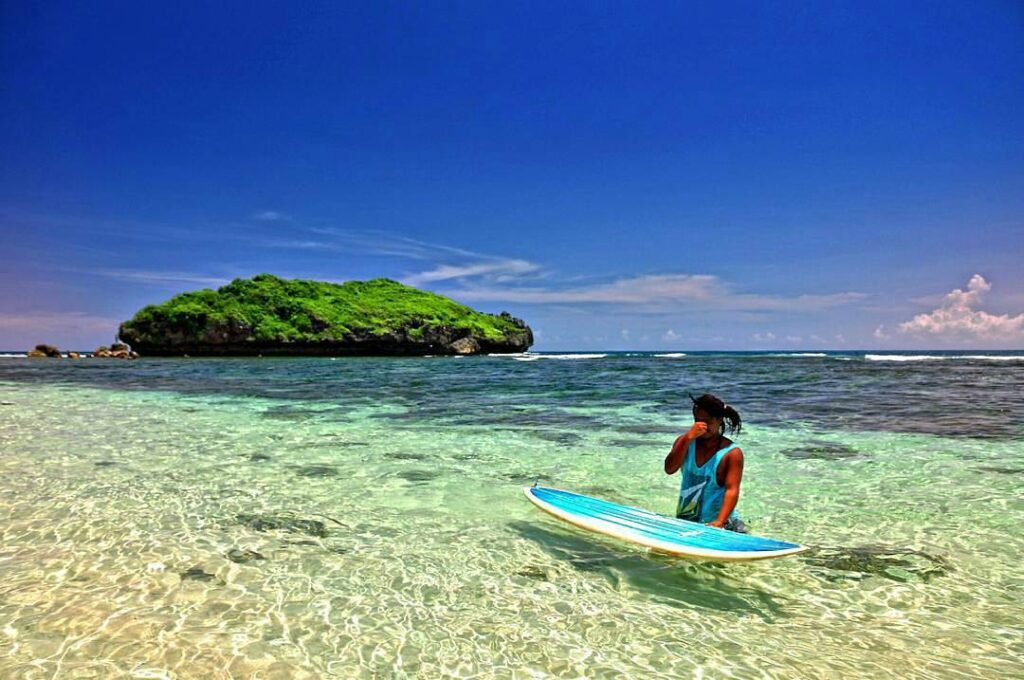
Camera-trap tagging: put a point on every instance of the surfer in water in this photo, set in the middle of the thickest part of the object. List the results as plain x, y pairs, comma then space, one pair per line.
712, 466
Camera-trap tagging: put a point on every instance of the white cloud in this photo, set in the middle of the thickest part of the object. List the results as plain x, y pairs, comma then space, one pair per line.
880, 333
637, 290
794, 338
764, 337
160, 278
499, 269
271, 216
480, 277
671, 336
958, 318
662, 290
45, 322
624, 333
452, 264
381, 243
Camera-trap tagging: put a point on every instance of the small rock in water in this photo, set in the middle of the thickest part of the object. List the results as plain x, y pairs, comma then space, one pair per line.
534, 572
105, 463
419, 476
565, 438
118, 350
636, 443
287, 413
241, 556
1003, 470
896, 564
293, 525
6, 403
820, 450
259, 457
197, 574
317, 471
603, 492
50, 351
526, 478
405, 455
649, 429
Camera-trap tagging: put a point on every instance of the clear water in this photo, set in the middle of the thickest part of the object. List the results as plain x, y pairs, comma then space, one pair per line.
364, 518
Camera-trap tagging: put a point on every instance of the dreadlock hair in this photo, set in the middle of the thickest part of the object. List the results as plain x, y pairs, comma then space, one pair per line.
717, 408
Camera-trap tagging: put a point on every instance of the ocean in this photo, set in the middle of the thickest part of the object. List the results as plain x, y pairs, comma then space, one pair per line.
364, 517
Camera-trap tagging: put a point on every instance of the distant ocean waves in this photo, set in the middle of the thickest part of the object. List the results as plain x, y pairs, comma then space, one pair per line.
559, 357
943, 357
842, 356
799, 354
583, 356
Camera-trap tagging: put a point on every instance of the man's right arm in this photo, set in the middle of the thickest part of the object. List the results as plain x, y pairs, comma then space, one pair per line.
674, 459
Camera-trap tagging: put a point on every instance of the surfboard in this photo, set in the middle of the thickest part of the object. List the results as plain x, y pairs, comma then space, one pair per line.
660, 533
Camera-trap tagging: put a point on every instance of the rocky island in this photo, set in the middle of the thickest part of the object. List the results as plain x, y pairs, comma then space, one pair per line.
267, 315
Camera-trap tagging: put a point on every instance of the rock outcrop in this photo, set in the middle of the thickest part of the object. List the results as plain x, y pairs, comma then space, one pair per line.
44, 351
118, 350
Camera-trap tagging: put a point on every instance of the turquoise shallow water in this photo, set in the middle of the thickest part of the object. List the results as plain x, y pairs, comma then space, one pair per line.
363, 518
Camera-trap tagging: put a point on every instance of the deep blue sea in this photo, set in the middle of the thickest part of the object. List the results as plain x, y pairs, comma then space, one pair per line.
363, 517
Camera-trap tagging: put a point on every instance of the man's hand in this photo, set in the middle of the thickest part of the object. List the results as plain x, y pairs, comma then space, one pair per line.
698, 430
718, 523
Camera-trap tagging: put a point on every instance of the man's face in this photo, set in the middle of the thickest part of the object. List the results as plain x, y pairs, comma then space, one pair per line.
714, 424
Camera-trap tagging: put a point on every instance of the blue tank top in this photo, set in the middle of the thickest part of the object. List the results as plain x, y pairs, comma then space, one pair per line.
700, 494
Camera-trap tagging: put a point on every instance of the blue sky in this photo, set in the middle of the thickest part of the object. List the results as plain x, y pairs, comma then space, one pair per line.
621, 175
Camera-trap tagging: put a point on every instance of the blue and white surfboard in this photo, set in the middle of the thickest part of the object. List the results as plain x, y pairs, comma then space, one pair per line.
657, 532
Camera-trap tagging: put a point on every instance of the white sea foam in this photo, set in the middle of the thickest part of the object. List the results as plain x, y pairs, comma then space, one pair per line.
800, 354
671, 355
561, 357
940, 357
13, 356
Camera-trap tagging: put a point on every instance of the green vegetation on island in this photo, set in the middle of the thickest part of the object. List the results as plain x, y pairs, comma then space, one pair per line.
270, 315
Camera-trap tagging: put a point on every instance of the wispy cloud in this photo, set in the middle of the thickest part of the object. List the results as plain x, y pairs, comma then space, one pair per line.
499, 270
958, 318
46, 323
159, 278
449, 263
271, 216
664, 291
484, 277
372, 242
